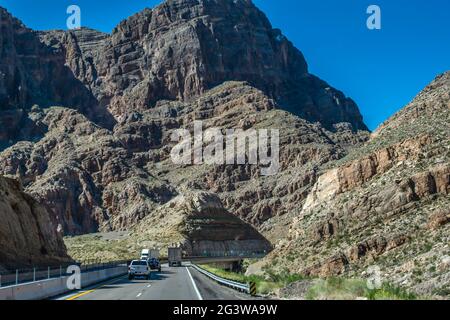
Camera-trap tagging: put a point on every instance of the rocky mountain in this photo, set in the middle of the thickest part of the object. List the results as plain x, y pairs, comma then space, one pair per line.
386, 204
27, 236
157, 72
182, 48
94, 179
86, 125
32, 74
196, 221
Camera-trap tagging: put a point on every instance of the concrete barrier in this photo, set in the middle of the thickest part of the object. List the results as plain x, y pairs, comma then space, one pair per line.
6, 293
53, 287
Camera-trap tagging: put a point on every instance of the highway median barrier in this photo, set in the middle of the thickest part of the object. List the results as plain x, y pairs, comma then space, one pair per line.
48, 288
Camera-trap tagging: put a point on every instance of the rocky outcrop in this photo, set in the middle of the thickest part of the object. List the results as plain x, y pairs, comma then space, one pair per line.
27, 235
79, 48
196, 221
84, 175
94, 179
32, 74
385, 204
356, 173
182, 48
156, 72
439, 219
199, 222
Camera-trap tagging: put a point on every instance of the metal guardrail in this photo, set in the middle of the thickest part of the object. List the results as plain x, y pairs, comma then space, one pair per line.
21, 276
229, 254
243, 287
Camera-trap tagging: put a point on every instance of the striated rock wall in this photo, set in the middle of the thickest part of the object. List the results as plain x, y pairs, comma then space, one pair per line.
83, 175
385, 204
199, 222
31, 73
356, 173
95, 179
104, 165
182, 48
27, 235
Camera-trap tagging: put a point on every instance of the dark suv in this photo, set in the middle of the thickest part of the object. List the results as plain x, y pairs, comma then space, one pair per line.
154, 264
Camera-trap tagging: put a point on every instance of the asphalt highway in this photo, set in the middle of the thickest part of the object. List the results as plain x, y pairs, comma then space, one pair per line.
180, 283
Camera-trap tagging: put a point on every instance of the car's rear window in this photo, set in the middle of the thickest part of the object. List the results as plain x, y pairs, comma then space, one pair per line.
139, 263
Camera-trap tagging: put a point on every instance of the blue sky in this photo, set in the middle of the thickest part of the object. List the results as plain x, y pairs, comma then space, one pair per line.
381, 70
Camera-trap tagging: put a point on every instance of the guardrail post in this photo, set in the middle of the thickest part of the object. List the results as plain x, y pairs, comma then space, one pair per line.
17, 276
34, 274
252, 288
60, 271
48, 272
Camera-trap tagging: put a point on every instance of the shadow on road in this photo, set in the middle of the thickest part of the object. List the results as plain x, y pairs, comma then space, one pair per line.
161, 275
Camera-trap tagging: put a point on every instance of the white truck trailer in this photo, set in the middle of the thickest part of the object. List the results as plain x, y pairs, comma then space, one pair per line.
175, 257
147, 254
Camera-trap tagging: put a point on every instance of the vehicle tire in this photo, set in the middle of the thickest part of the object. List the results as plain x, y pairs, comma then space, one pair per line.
159, 269
149, 276
130, 277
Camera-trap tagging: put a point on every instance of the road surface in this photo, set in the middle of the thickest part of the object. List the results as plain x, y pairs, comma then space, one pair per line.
182, 283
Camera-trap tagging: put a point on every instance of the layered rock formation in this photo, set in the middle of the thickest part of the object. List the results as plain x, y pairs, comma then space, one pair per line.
158, 71
182, 48
27, 235
101, 161
94, 179
84, 175
31, 73
386, 204
199, 222
196, 221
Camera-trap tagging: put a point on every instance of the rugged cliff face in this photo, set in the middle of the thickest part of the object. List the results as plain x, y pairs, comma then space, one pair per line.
196, 221
182, 48
158, 71
101, 161
94, 179
200, 223
84, 175
385, 204
31, 73
27, 235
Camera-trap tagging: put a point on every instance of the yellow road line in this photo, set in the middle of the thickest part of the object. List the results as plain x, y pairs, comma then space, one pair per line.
80, 295
92, 290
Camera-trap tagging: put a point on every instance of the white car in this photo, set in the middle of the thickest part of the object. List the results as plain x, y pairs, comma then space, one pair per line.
139, 268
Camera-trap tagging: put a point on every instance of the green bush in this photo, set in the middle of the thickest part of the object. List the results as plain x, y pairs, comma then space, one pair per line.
333, 288
336, 288
390, 292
